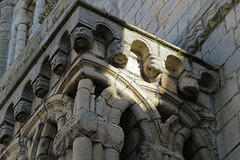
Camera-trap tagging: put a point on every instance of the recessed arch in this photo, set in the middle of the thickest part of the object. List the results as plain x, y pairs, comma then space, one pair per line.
103, 33
174, 65
65, 42
140, 49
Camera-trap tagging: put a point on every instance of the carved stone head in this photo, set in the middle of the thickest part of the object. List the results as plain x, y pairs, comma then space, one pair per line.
82, 39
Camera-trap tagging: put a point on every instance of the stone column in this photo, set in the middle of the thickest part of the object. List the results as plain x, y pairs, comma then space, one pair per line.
82, 149
22, 29
111, 153
40, 6
6, 7
82, 99
21, 38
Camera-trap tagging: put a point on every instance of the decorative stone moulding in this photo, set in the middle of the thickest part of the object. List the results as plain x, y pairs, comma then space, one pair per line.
82, 39
50, 4
6, 132
116, 55
59, 61
41, 85
90, 107
22, 109
152, 67
188, 85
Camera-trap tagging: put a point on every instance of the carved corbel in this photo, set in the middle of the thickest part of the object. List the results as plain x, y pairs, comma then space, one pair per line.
188, 85
59, 61
209, 81
116, 55
41, 85
22, 109
82, 39
6, 132
152, 67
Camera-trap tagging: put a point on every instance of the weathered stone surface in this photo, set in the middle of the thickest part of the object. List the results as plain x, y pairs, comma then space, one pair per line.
226, 93
22, 110
133, 76
41, 85
237, 35
234, 154
231, 65
188, 85
219, 54
82, 39
228, 138
231, 109
6, 133
214, 38
59, 62
82, 148
230, 20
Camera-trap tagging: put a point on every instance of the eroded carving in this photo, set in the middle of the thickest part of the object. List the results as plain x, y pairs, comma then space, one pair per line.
188, 85
116, 55
209, 82
50, 4
99, 123
82, 39
59, 62
22, 109
6, 132
150, 151
41, 85
152, 67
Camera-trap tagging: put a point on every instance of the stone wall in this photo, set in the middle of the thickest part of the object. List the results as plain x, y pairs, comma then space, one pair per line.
223, 48
166, 19
209, 29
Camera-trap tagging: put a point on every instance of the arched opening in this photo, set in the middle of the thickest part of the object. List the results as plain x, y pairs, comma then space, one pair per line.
103, 38
103, 34
208, 82
65, 42
139, 51
188, 149
132, 136
174, 65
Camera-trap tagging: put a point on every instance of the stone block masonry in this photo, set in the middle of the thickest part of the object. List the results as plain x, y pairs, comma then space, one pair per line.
86, 83
78, 75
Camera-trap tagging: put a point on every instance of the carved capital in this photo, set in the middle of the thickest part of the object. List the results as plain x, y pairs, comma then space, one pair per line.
22, 109
88, 124
82, 39
59, 62
41, 85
